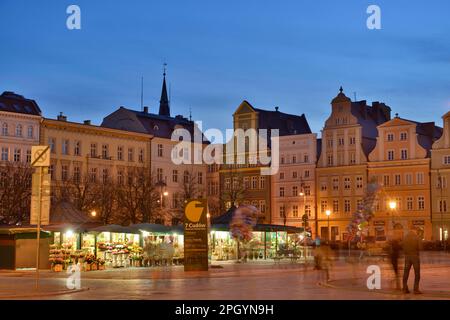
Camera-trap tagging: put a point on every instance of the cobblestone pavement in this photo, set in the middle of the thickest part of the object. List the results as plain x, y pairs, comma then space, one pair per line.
254, 280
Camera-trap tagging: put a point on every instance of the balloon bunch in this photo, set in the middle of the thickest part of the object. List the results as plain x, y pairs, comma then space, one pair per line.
244, 219
365, 212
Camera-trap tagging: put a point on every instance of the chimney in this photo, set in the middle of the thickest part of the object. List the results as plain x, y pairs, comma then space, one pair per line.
145, 109
87, 122
61, 117
276, 108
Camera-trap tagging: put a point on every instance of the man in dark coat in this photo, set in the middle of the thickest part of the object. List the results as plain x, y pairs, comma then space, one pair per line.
411, 248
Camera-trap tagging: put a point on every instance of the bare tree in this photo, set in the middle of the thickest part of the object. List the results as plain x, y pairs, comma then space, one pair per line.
15, 192
233, 189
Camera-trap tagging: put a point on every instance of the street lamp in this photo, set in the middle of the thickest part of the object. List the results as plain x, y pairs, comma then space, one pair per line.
392, 206
161, 184
93, 213
328, 213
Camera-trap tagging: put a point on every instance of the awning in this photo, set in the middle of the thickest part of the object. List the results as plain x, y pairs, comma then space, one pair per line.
115, 228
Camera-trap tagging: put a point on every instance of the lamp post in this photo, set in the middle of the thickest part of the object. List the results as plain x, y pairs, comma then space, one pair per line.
328, 213
392, 206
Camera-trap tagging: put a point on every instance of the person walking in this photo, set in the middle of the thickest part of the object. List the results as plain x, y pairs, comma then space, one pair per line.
394, 254
411, 248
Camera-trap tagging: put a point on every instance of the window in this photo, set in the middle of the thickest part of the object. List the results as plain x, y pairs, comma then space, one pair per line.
335, 184
404, 154
330, 160
397, 179
281, 191
29, 156
420, 178
294, 191
323, 186
30, 132
306, 173
120, 153
352, 157
262, 182
19, 130
359, 204
160, 150
446, 160
352, 140
93, 150
335, 206
359, 182
281, 175
52, 144
141, 155
421, 202
200, 177
294, 174
403, 136
307, 190
174, 175
295, 211
262, 206
294, 159
323, 206
409, 203
408, 179
390, 155
308, 209
330, 143
347, 183
93, 175
5, 129
64, 172
282, 160
76, 174
5, 154
227, 183
443, 206
105, 175
347, 206
159, 174
185, 176
105, 151
17, 154
130, 154
77, 148
341, 141
390, 137
386, 181
441, 182
255, 182
65, 147
306, 158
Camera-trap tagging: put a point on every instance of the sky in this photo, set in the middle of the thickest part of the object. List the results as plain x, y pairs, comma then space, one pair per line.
291, 54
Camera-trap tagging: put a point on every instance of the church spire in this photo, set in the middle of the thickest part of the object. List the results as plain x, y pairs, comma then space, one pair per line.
164, 108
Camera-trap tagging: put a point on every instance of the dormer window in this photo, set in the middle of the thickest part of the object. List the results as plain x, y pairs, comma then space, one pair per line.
155, 127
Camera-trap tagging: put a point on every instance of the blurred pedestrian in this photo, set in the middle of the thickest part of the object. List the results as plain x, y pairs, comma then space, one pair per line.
411, 248
322, 259
394, 254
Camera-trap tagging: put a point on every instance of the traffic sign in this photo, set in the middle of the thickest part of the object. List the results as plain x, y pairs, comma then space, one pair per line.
40, 156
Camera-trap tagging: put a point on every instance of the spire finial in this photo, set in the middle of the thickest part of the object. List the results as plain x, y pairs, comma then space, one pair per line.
164, 69
341, 90
190, 114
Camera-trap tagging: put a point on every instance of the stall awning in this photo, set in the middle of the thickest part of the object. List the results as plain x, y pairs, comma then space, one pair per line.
115, 228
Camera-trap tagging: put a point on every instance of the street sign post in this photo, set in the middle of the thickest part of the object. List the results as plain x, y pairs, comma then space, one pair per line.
40, 198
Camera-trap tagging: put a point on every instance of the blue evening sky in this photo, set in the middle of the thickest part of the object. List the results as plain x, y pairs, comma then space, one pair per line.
292, 54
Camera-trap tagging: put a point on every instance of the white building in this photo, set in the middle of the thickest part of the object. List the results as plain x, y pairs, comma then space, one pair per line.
19, 124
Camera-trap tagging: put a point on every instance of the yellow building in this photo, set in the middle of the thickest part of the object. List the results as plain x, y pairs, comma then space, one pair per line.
400, 163
81, 150
440, 178
348, 137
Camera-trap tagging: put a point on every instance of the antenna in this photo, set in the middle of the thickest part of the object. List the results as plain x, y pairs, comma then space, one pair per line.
354, 95
142, 93
190, 114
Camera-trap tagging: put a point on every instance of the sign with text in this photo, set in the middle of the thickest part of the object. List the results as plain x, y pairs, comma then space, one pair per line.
195, 235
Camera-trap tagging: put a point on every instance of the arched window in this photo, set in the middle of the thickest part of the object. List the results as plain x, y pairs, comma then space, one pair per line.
5, 129
19, 130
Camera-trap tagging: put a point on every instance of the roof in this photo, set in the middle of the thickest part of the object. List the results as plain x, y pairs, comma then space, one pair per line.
64, 212
287, 124
13, 102
157, 125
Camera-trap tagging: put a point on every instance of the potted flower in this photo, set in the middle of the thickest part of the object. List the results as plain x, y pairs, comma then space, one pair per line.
101, 264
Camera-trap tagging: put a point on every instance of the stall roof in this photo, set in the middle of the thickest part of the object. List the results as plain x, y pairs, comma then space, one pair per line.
150, 227
16, 230
115, 228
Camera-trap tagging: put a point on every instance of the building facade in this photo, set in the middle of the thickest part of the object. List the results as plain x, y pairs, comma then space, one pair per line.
400, 163
440, 179
19, 124
178, 181
348, 136
294, 186
243, 181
